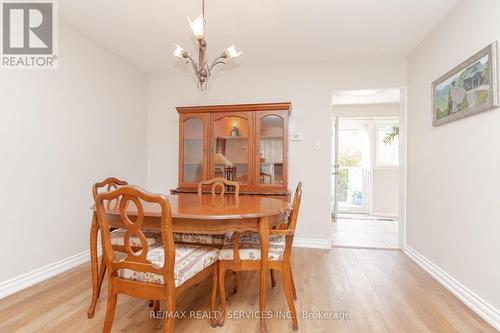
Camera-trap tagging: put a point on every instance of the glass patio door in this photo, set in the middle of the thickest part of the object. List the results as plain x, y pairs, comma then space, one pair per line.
354, 166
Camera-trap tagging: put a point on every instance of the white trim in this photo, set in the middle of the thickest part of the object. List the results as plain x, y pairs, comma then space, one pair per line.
482, 308
26, 280
403, 148
312, 243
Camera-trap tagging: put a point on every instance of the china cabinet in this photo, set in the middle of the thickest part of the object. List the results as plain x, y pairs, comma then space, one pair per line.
247, 143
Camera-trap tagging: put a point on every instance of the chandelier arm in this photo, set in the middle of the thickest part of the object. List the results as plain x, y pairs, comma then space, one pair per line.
215, 63
218, 62
190, 60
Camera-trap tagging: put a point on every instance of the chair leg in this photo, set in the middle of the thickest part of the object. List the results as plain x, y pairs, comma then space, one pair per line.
168, 326
222, 291
294, 291
287, 286
156, 306
110, 311
273, 278
102, 272
236, 282
94, 227
213, 297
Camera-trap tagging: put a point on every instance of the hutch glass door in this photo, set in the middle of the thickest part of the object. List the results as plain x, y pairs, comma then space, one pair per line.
194, 158
271, 150
232, 147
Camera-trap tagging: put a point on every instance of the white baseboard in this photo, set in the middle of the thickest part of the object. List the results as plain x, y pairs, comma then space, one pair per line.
26, 280
312, 243
468, 297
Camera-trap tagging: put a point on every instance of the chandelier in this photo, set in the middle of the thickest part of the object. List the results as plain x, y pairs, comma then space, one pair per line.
202, 68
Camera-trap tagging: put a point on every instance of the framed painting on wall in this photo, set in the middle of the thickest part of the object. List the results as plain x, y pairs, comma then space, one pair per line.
467, 89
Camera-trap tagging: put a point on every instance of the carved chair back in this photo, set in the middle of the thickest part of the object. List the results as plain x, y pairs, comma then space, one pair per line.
132, 219
221, 183
107, 185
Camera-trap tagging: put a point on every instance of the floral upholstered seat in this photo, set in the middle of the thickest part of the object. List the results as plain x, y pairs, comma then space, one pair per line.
189, 261
207, 239
253, 238
117, 238
250, 248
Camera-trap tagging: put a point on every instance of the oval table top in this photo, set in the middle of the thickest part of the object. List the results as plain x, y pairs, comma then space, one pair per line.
208, 207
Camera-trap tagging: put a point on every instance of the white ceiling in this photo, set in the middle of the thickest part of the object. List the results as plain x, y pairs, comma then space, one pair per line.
269, 32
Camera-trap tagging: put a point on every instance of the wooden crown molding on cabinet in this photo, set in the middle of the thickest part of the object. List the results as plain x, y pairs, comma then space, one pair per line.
236, 108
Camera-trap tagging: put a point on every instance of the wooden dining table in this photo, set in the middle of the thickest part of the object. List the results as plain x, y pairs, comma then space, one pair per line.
208, 214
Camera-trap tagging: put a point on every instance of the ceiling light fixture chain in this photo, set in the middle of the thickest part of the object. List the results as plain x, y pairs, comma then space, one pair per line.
201, 68
203, 11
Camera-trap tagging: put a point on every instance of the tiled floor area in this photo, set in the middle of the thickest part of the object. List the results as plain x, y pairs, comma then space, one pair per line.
365, 231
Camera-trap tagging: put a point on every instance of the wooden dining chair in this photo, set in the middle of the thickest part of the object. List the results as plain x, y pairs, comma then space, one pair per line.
219, 186
244, 255
107, 185
221, 183
160, 272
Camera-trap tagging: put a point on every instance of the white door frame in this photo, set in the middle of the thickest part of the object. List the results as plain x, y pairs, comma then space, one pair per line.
336, 169
403, 145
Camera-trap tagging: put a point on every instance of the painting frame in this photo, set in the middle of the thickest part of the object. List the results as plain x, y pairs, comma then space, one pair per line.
492, 97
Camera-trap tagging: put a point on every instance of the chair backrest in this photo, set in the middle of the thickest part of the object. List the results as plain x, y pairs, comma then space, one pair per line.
219, 182
292, 219
129, 196
107, 185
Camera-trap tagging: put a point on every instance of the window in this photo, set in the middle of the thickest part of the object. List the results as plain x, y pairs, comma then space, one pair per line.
387, 132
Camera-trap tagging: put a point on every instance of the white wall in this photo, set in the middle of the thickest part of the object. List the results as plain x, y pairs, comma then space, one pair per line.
453, 215
385, 192
61, 131
309, 88
367, 110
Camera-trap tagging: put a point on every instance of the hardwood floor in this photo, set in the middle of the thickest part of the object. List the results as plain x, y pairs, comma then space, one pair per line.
362, 232
382, 291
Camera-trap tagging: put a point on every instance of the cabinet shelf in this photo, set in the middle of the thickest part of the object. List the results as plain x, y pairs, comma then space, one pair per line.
271, 137
233, 137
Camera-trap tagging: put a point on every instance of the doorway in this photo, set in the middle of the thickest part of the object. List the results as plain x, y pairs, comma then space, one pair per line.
367, 175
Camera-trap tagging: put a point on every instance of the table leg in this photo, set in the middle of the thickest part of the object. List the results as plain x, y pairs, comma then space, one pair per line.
93, 262
264, 250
